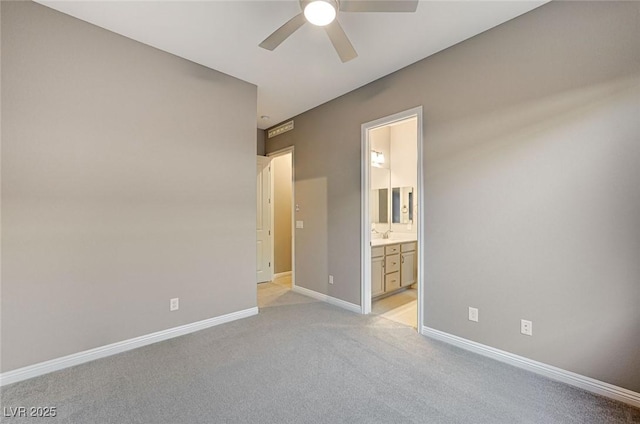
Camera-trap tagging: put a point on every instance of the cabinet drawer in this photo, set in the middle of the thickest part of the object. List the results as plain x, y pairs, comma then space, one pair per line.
391, 281
391, 249
377, 251
392, 263
408, 247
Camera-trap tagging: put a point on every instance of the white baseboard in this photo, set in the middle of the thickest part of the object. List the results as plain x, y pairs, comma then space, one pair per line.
118, 347
282, 274
587, 383
326, 298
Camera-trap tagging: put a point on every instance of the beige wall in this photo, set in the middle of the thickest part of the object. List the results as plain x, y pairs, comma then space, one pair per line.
117, 160
532, 199
281, 170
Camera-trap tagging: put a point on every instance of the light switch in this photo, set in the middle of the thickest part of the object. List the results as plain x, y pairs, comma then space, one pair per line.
299, 224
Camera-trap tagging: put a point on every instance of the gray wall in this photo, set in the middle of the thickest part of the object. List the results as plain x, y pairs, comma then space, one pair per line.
128, 178
281, 171
260, 144
532, 193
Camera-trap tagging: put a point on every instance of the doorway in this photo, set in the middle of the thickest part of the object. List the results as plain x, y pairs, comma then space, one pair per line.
392, 217
282, 216
281, 226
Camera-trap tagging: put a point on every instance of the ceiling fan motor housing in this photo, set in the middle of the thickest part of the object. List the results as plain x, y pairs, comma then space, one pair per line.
320, 12
334, 3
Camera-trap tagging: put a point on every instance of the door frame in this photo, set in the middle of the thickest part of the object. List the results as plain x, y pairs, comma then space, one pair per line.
365, 218
272, 155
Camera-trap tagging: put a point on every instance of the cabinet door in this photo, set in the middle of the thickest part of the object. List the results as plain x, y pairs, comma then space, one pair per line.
408, 269
377, 276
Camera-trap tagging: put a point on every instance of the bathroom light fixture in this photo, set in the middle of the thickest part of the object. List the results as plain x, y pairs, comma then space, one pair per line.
377, 158
320, 12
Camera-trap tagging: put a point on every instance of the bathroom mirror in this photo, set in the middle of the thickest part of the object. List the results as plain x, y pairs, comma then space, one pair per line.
380, 206
402, 205
380, 200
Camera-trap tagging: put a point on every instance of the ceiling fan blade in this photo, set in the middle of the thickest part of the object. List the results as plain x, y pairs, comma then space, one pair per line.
340, 41
282, 33
378, 5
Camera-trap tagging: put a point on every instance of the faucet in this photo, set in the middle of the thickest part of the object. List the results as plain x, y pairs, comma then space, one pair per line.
384, 235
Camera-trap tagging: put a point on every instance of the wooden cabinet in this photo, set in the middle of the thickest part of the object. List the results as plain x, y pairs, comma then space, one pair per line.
408, 269
392, 267
377, 276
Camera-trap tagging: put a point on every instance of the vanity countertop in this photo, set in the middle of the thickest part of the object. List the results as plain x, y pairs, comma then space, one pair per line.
385, 242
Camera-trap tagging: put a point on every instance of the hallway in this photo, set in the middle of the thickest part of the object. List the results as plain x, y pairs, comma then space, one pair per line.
278, 293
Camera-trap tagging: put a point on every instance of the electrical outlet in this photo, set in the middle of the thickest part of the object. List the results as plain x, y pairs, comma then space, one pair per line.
526, 327
473, 314
331, 279
174, 304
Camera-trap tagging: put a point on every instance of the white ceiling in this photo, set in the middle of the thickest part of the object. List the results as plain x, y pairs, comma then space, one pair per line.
304, 71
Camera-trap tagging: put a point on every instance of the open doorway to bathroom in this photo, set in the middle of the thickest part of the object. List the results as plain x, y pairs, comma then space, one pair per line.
282, 241
392, 217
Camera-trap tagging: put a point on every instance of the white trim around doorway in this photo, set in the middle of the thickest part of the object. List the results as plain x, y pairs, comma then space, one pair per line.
272, 155
365, 248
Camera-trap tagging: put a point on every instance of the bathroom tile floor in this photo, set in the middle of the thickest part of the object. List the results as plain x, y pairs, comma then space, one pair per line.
401, 307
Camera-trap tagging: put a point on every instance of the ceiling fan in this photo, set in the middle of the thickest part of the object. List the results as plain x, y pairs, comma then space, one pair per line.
323, 13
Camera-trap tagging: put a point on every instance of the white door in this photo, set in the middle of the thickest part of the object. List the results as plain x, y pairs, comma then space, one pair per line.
263, 221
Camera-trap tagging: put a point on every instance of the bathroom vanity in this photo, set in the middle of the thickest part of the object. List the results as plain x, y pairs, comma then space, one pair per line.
393, 265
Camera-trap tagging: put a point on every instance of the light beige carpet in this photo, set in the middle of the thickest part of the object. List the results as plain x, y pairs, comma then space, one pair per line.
305, 363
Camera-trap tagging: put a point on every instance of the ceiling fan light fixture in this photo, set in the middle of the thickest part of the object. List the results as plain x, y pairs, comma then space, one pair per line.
320, 12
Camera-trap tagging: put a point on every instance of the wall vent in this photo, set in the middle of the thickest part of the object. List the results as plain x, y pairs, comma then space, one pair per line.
282, 128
